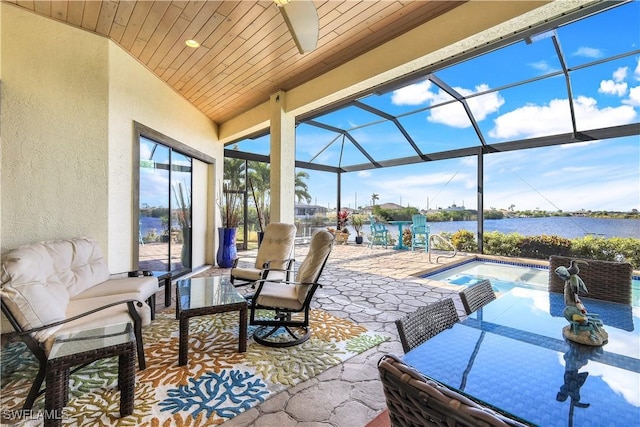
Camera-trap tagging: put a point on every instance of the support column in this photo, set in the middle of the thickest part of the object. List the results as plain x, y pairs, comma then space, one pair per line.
283, 158
480, 200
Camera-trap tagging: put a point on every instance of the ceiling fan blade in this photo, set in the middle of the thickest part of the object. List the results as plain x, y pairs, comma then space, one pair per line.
302, 19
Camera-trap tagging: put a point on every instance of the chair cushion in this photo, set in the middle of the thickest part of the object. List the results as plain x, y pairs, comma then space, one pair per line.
79, 264
280, 295
109, 316
76, 263
276, 245
141, 287
246, 273
252, 274
30, 288
311, 267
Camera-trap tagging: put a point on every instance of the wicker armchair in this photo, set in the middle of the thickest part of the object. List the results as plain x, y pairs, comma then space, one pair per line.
414, 400
477, 296
605, 280
426, 322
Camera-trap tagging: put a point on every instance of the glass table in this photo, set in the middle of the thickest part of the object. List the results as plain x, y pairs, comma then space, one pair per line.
203, 296
511, 354
82, 347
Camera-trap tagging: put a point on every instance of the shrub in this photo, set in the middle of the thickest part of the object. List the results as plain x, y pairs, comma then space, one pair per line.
621, 249
542, 247
464, 241
496, 243
439, 245
625, 249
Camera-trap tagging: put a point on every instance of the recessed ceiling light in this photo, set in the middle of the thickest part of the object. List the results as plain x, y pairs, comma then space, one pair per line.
192, 43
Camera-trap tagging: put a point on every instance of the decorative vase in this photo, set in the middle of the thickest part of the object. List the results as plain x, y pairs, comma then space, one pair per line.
359, 240
227, 251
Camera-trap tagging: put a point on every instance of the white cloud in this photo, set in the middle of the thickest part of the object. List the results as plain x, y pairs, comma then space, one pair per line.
364, 174
610, 87
542, 66
620, 74
636, 72
534, 120
588, 52
416, 94
455, 115
617, 86
634, 97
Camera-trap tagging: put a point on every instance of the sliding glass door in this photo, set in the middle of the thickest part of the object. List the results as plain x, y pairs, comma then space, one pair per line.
164, 238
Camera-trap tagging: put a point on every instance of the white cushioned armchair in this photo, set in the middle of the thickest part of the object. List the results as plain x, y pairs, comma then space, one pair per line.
280, 308
275, 256
55, 287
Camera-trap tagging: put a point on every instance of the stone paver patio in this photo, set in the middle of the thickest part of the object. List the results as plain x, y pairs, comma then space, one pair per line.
373, 287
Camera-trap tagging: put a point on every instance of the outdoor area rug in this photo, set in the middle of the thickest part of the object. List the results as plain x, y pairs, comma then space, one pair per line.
217, 384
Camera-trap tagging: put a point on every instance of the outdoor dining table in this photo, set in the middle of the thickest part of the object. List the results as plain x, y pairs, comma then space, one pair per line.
400, 245
511, 354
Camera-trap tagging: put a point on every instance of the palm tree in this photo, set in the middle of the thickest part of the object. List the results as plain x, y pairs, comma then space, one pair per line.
234, 171
374, 197
260, 176
302, 190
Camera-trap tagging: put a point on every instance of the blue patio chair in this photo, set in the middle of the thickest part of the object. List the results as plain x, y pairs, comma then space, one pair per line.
379, 233
419, 233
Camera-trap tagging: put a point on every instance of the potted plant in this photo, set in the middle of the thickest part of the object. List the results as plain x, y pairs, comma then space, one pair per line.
342, 233
357, 221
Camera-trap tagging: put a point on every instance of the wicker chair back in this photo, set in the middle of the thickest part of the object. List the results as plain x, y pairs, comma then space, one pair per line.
414, 400
605, 280
476, 296
426, 322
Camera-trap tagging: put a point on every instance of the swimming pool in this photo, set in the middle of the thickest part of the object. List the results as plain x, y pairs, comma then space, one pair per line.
506, 276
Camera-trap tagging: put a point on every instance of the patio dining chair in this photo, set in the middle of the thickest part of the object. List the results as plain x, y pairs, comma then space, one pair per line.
275, 256
379, 233
280, 309
419, 233
477, 296
605, 280
415, 400
426, 322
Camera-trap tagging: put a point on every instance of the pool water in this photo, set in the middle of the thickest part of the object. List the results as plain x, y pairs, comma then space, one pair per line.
505, 277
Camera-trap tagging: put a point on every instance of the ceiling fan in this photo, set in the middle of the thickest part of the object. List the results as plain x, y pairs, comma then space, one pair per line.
301, 17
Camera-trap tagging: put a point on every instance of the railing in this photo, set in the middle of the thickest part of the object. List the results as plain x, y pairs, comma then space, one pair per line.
443, 240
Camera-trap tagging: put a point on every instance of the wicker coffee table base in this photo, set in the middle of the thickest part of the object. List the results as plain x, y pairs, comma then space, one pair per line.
57, 391
185, 315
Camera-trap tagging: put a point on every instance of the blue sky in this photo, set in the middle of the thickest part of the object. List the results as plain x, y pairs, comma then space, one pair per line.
595, 175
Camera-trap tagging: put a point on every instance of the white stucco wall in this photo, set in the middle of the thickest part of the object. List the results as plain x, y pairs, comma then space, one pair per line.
69, 100
135, 94
55, 159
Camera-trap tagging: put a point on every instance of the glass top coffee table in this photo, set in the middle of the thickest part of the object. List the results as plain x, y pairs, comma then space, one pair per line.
203, 296
82, 347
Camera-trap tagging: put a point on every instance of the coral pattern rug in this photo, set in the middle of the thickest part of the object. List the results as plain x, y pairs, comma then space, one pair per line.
217, 384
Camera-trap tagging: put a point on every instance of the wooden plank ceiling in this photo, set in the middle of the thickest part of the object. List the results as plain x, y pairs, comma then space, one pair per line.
246, 51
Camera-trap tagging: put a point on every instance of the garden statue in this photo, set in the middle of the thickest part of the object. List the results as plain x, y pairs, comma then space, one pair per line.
584, 327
